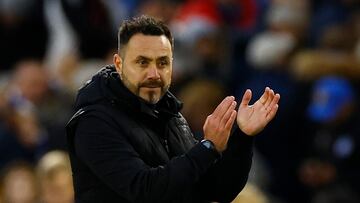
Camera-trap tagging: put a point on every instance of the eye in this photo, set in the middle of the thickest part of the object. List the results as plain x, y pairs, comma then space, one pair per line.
163, 63
142, 62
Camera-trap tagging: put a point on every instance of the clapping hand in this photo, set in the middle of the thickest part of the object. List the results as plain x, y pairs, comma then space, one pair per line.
251, 119
218, 125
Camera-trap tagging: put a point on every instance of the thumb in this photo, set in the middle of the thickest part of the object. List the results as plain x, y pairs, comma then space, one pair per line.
246, 98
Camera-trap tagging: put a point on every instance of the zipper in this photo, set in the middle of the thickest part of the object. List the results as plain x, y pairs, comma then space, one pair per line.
166, 146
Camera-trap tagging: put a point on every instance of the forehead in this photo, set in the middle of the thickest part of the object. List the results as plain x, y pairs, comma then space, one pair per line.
148, 45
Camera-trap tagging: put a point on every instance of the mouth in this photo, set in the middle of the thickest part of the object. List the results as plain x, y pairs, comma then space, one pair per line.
152, 86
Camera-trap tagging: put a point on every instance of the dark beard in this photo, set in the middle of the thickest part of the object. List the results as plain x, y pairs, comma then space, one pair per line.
149, 84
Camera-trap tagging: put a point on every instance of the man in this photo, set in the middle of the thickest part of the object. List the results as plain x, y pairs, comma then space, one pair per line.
129, 143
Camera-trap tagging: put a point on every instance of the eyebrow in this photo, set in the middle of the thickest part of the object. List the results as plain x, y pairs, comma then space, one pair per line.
163, 58
150, 59
143, 58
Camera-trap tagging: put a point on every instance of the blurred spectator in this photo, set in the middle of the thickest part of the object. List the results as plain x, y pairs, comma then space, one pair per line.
21, 133
55, 179
200, 16
63, 41
310, 65
23, 33
270, 49
330, 169
207, 29
33, 114
334, 51
19, 184
284, 31
290, 17
29, 84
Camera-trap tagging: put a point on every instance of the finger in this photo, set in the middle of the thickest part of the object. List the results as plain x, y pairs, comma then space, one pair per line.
227, 115
218, 107
231, 120
206, 122
274, 101
269, 99
246, 98
222, 107
272, 113
265, 95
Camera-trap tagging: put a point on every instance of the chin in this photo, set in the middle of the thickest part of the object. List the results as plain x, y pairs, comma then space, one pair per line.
152, 100
151, 96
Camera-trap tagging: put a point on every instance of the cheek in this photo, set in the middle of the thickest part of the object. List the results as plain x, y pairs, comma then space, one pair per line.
133, 76
166, 76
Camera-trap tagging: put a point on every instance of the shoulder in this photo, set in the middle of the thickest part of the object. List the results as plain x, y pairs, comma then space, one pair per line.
180, 120
97, 116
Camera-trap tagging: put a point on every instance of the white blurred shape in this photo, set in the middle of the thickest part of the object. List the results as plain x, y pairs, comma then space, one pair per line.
268, 48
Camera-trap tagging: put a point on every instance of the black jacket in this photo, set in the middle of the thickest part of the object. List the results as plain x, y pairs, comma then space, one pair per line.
125, 150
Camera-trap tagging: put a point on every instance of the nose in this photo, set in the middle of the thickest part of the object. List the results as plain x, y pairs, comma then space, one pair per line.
153, 73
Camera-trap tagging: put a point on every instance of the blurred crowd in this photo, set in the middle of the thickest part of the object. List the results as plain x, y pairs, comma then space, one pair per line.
308, 51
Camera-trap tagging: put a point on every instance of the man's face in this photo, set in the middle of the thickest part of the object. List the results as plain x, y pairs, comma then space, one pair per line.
146, 66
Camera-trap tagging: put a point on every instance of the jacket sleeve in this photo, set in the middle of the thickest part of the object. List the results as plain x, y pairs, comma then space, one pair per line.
102, 147
225, 179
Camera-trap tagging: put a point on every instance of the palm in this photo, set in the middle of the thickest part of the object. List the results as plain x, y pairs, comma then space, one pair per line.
251, 119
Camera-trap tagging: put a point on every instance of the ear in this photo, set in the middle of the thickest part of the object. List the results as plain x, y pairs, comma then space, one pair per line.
118, 63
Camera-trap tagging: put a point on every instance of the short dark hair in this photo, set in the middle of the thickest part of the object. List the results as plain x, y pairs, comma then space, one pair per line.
145, 25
